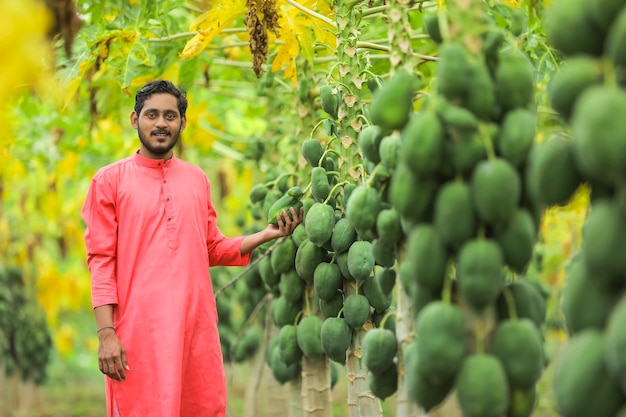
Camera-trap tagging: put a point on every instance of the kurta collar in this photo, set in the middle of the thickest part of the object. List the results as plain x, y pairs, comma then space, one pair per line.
153, 163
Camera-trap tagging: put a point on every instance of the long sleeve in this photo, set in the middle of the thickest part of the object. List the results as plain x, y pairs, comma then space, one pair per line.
101, 241
224, 251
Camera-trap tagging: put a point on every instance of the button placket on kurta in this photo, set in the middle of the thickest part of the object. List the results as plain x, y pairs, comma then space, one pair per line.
170, 215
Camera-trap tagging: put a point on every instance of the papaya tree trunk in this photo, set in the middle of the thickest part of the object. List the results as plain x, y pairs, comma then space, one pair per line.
316, 398
295, 398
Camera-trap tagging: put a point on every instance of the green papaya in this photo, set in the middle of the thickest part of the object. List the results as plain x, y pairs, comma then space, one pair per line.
281, 372
390, 151
291, 286
258, 193
361, 260
452, 71
336, 337
456, 117
320, 186
332, 307
389, 226
423, 391
561, 17
423, 143
282, 258
330, 99
514, 81
496, 190
378, 299
582, 384
427, 256
363, 207
482, 388
615, 345
440, 330
308, 334
410, 194
290, 199
369, 140
465, 152
518, 345
312, 151
344, 234
308, 256
527, 300
517, 240
599, 142
604, 239
283, 312
384, 384
379, 350
552, 176
481, 95
454, 216
319, 223
288, 348
575, 76
384, 253
523, 402
516, 136
327, 280
270, 277
480, 272
603, 13
430, 22
356, 310
393, 103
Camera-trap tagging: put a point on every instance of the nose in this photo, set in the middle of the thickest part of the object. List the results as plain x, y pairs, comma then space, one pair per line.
161, 122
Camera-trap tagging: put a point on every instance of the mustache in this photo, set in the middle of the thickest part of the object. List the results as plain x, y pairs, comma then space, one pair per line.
161, 132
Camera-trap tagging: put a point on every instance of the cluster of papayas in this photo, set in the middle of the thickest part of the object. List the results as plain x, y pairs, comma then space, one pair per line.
588, 92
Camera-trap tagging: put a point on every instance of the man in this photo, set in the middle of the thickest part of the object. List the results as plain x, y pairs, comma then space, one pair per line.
151, 236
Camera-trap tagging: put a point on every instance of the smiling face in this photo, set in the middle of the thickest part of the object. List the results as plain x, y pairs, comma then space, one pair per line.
159, 125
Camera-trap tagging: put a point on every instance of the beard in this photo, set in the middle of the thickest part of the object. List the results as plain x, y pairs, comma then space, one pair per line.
159, 149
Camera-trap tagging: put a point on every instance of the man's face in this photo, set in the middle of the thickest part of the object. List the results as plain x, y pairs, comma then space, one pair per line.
159, 125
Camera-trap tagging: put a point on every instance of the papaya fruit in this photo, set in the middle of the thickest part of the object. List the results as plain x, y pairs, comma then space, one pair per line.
344, 234
561, 17
386, 278
320, 186
356, 310
464, 153
280, 371
384, 253
423, 391
270, 277
452, 71
423, 143
319, 223
369, 140
615, 343
330, 99
582, 289
482, 388
363, 207
290, 199
454, 216
299, 234
390, 151
575, 76
379, 350
393, 103
389, 226
308, 256
248, 345
378, 299
308, 335
456, 117
342, 260
410, 194
427, 257
496, 190
283, 312
604, 13
517, 240
529, 302
518, 345
430, 22
271, 197
332, 307
361, 260
604, 237
258, 193
516, 136
599, 142
385, 384
514, 81
312, 151
480, 272
336, 337
582, 383
388, 315
552, 176
440, 330
327, 280
282, 258
288, 348
291, 286
481, 95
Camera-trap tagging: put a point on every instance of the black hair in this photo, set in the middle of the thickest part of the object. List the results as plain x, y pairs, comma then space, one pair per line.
161, 86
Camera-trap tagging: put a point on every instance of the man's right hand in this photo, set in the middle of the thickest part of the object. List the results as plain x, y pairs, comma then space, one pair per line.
112, 355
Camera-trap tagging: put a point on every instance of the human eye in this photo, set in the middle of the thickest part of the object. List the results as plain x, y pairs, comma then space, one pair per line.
171, 116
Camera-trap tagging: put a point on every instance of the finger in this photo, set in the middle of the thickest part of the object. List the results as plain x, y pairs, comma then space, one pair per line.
125, 361
111, 371
119, 368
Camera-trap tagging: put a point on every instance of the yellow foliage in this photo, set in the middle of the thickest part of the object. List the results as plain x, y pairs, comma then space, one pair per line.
210, 24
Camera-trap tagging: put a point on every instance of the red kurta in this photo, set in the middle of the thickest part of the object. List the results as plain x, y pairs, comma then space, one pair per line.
151, 236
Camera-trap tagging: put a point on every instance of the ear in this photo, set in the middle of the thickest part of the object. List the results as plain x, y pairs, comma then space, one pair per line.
134, 120
183, 123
